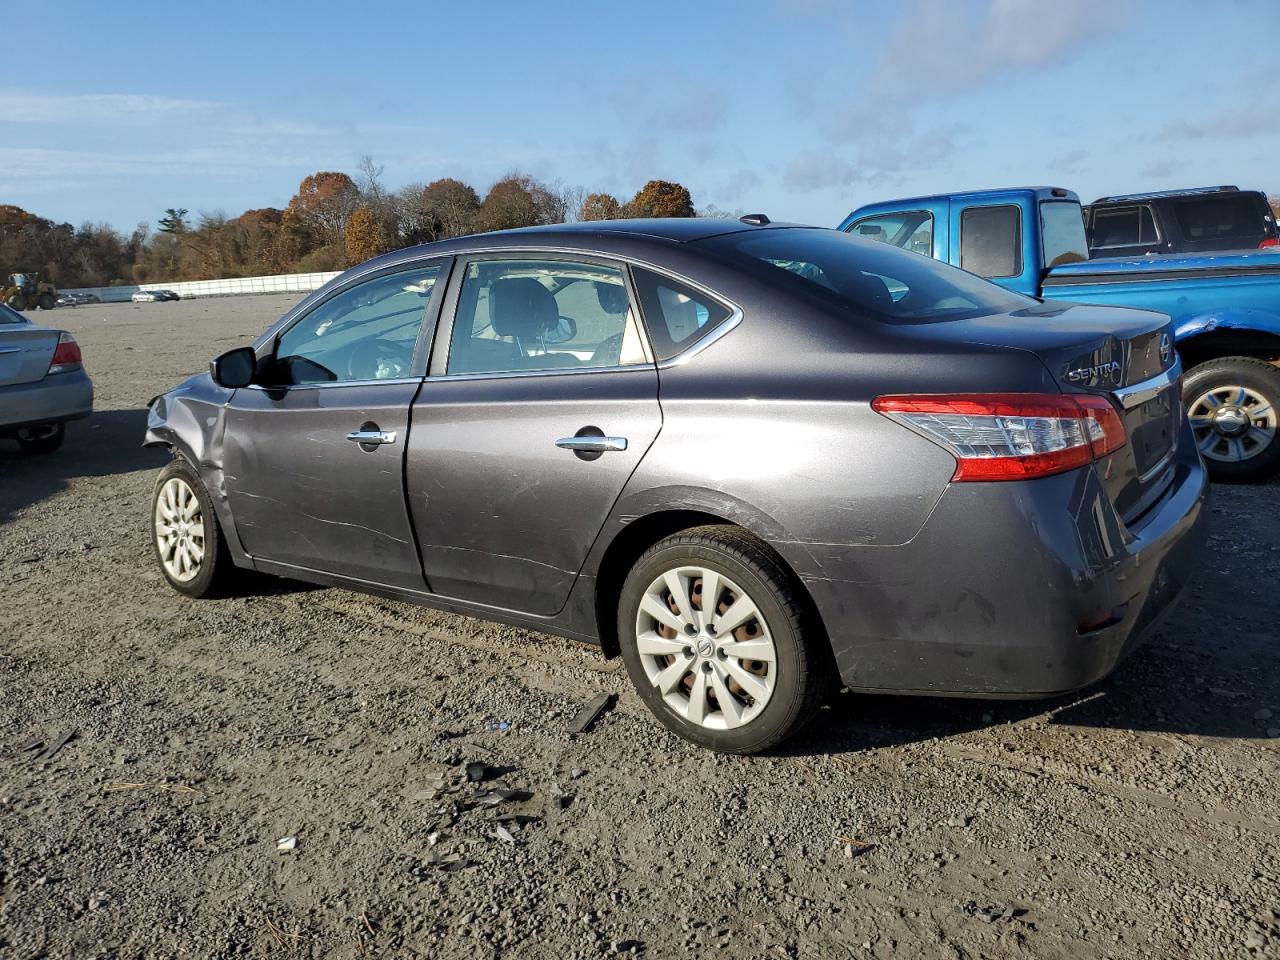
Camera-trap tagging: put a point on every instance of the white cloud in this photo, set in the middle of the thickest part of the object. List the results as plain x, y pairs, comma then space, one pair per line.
1236, 124
115, 108
942, 47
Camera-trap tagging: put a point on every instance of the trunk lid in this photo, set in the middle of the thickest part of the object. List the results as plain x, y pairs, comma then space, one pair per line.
25, 352
1125, 355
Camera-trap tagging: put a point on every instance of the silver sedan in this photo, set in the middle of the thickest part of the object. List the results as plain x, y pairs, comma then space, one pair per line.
43, 383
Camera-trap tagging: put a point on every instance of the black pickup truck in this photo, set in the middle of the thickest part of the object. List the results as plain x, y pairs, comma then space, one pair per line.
1180, 221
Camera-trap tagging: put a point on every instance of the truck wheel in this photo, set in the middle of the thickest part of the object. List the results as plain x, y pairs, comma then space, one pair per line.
18, 302
718, 640
1233, 404
47, 302
45, 438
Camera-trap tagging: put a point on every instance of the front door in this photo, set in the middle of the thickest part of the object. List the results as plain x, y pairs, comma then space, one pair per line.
314, 456
538, 413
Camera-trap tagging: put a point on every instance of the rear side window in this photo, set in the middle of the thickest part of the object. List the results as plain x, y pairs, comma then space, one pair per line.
910, 231
1123, 227
10, 315
1234, 217
678, 315
991, 241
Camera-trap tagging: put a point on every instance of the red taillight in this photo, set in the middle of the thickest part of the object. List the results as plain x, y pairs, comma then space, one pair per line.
1269, 242
1012, 436
67, 356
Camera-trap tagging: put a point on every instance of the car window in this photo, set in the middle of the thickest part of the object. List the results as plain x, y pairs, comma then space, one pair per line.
1123, 227
991, 240
912, 230
367, 332
516, 315
866, 279
10, 315
1234, 217
677, 315
1062, 233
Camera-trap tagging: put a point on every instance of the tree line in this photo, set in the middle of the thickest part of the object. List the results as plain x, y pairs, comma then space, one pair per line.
332, 222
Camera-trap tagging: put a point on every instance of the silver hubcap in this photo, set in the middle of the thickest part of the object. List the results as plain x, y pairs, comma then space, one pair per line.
706, 647
1232, 423
179, 529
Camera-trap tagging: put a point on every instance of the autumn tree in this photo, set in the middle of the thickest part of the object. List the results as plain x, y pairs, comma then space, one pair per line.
442, 209
660, 198
325, 202
517, 200
600, 206
363, 236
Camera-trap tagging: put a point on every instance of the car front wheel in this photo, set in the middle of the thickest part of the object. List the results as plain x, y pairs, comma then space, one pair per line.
1233, 404
718, 640
186, 535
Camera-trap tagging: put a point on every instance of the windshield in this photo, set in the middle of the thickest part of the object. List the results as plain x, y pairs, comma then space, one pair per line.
871, 278
1062, 230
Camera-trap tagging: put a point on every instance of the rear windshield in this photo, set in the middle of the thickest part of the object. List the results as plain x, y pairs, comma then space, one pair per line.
9, 315
867, 277
1062, 230
1232, 217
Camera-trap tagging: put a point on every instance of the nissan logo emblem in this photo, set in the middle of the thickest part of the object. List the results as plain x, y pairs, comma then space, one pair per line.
1166, 349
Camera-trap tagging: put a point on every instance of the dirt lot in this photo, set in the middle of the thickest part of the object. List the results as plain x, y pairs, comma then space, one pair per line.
1138, 819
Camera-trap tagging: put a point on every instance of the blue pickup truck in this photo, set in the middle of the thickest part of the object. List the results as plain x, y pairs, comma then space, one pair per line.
1225, 305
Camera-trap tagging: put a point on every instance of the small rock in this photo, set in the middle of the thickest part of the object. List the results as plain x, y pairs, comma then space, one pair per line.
99, 900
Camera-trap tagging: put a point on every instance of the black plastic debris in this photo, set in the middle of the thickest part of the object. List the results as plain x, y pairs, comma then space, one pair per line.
589, 714
995, 913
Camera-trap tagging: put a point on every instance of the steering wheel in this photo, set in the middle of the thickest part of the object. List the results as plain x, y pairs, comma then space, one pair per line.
379, 360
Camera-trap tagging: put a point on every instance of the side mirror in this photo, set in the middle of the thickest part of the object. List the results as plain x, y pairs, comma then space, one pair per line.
235, 368
564, 331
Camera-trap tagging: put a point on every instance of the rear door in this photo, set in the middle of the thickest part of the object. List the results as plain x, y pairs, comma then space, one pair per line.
543, 398
25, 349
314, 455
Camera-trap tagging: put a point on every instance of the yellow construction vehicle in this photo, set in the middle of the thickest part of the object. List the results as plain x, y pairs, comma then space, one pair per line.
26, 292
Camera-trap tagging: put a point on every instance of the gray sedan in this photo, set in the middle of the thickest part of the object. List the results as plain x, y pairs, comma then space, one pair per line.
754, 460
42, 383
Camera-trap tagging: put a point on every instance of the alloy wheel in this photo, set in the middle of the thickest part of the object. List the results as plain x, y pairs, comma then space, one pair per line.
706, 647
180, 532
1232, 423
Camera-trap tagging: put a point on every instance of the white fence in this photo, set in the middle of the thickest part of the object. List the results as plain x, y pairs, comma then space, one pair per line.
283, 283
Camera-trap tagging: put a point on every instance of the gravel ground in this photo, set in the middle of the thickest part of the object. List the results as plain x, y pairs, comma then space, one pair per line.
1137, 819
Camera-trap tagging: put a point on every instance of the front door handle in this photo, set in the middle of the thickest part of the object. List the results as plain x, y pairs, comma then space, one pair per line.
372, 437
592, 444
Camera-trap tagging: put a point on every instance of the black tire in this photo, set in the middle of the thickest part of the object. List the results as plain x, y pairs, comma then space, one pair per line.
18, 302
216, 572
1255, 375
47, 301
805, 670
42, 439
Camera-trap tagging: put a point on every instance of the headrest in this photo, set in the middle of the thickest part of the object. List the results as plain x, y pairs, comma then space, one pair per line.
872, 291
521, 307
612, 297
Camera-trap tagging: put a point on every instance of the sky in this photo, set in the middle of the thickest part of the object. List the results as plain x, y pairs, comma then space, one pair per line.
801, 109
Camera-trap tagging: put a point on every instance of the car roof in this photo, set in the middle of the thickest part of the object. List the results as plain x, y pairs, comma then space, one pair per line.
1164, 194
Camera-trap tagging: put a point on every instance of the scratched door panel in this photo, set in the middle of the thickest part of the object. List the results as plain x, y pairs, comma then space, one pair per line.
303, 494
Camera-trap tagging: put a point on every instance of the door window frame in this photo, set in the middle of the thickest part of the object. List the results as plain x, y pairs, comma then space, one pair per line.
266, 349
437, 368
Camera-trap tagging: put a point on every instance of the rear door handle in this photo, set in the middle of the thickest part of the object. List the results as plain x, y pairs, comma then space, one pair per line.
591, 444
372, 436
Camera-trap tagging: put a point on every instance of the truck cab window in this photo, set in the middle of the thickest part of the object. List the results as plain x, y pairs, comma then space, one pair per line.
912, 230
991, 241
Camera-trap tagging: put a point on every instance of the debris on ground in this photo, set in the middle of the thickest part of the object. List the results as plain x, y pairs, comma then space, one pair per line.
589, 714
1002, 913
287, 844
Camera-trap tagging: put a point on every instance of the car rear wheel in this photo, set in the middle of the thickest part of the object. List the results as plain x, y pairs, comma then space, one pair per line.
718, 641
186, 535
1234, 407
45, 438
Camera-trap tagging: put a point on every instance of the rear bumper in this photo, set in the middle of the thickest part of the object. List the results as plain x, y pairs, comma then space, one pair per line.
55, 399
995, 594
